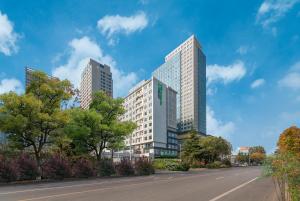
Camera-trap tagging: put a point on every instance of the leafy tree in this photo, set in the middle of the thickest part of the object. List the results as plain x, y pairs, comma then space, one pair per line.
257, 157
257, 154
191, 149
214, 148
98, 128
82, 130
257, 149
242, 158
32, 120
207, 149
289, 141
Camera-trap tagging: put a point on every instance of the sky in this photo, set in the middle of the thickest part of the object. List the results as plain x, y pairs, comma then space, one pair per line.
251, 47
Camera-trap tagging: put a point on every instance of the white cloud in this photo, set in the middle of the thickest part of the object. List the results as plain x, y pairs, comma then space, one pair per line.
225, 74
217, 127
81, 50
271, 11
257, 83
292, 78
242, 50
7, 85
111, 25
8, 37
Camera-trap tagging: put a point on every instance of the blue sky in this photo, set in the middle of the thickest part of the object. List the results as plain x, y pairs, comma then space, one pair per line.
252, 49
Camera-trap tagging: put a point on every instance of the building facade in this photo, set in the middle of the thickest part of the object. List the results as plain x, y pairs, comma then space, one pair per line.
152, 106
185, 71
29, 77
95, 77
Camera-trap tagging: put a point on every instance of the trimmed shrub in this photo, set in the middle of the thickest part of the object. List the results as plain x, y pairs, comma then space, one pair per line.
8, 170
83, 168
198, 164
213, 165
171, 164
143, 167
124, 168
179, 167
164, 164
159, 164
226, 162
56, 167
106, 167
28, 169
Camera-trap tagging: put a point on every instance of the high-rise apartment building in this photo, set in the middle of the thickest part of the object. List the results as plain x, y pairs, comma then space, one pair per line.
29, 77
185, 71
152, 106
95, 77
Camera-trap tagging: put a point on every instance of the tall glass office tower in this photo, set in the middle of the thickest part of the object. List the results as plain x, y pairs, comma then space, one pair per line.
185, 71
169, 73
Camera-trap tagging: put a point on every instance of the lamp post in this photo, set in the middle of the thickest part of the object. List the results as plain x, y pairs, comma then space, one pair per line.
248, 158
130, 148
180, 151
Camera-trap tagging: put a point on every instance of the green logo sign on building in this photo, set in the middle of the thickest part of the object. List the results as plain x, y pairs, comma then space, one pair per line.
160, 90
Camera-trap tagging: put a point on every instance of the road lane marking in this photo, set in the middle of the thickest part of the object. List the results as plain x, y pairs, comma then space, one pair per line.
234, 189
69, 186
155, 178
108, 188
219, 178
92, 190
98, 183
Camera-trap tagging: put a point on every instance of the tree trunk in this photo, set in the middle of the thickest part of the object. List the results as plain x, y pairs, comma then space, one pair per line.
39, 165
112, 154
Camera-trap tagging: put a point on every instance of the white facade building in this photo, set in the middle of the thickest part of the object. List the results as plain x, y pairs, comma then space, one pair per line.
95, 77
152, 106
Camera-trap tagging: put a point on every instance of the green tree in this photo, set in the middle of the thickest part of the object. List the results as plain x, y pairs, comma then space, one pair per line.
83, 130
99, 127
191, 149
242, 158
214, 148
33, 120
119, 130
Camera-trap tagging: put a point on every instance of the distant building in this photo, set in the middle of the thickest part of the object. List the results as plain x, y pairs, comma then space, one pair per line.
244, 150
185, 71
95, 77
152, 106
29, 77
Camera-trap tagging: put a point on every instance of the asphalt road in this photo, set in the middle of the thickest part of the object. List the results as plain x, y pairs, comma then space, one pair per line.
233, 184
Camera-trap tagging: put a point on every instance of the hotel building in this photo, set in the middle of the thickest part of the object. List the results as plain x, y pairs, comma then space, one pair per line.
152, 106
95, 77
185, 71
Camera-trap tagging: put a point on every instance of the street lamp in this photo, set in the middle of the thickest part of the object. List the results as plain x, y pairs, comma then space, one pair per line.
130, 147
